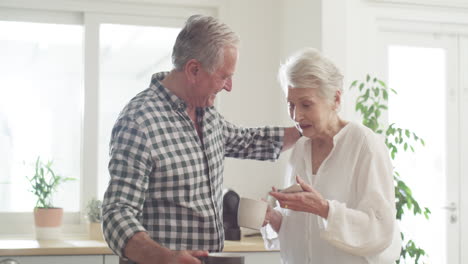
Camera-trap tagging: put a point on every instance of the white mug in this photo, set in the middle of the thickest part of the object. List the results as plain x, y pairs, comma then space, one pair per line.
251, 213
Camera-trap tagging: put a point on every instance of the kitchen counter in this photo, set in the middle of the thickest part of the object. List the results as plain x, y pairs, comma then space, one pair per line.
13, 247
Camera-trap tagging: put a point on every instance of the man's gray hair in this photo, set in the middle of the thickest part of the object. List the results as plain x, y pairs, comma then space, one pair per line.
203, 38
308, 68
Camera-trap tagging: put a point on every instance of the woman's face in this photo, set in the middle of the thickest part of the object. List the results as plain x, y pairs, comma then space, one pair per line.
312, 113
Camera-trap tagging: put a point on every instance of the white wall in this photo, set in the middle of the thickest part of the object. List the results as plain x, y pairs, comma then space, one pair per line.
256, 99
270, 31
300, 25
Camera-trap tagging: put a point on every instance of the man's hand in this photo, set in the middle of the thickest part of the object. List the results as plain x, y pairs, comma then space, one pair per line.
186, 257
144, 250
291, 135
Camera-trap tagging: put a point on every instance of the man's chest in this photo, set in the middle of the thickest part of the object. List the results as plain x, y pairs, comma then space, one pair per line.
181, 146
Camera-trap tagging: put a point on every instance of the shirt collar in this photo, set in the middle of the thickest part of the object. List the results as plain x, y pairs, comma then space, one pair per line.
340, 134
165, 94
336, 138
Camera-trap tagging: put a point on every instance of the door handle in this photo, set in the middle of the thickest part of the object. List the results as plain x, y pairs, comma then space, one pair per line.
452, 207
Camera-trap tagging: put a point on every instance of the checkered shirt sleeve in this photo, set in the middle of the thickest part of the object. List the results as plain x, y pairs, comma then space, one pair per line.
253, 143
130, 167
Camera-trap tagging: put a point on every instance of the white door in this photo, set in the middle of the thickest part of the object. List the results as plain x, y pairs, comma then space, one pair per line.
463, 48
424, 69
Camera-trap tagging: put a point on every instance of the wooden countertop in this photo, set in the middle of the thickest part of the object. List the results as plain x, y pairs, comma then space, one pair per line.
16, 247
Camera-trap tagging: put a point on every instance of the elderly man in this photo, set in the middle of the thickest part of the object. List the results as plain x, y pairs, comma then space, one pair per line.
167, 153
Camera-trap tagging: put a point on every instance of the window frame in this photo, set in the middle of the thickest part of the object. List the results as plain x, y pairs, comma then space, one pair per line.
91, 15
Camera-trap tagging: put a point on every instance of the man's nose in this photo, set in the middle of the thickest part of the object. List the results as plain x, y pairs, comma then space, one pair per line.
228, 85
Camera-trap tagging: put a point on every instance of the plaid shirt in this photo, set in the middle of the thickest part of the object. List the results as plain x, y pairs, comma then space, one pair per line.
167, 182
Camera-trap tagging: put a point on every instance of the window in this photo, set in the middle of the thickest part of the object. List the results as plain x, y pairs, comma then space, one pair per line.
65, 77
40, 108
129, 55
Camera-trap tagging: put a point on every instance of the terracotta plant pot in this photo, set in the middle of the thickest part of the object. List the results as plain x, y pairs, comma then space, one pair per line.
48, 223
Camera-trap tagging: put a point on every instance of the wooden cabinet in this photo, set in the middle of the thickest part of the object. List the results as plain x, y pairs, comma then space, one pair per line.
111, 259
267, 257
272, 257
94, 259
250, 258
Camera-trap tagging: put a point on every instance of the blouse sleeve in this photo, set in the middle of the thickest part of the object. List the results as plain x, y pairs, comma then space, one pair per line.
367, 229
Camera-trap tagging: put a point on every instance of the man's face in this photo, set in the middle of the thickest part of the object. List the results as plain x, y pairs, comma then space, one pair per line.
210, 84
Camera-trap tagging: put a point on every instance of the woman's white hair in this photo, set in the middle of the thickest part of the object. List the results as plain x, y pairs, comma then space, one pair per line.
203, 38
308, 68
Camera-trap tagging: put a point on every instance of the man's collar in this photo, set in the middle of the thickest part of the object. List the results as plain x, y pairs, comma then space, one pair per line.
165, 94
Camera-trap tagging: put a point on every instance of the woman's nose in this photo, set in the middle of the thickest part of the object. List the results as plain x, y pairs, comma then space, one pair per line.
297, 115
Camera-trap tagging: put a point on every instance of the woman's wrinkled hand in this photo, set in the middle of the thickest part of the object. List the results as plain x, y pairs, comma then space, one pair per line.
309, 200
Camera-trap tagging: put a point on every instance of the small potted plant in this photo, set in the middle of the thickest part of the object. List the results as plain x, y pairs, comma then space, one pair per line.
94, 215
44, 184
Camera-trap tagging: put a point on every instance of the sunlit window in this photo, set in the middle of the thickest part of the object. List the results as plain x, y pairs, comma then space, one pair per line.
129, 55
40, 109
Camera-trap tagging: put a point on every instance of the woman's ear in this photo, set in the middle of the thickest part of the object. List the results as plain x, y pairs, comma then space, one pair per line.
337, 101
192, 68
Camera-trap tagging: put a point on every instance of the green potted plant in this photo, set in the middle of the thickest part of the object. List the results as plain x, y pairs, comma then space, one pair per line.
371, 103
94, 215
44, 183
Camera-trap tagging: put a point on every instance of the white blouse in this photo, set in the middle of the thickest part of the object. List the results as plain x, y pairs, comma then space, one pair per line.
356, 178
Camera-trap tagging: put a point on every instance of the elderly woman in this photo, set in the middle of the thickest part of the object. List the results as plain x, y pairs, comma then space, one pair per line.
346, 211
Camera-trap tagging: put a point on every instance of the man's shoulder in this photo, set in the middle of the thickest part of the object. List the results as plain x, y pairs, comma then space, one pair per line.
144, 105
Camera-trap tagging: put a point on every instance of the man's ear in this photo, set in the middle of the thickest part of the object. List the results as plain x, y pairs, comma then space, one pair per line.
192, 68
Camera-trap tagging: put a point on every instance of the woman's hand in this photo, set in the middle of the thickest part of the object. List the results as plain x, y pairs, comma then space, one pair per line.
309, 200
273, 217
